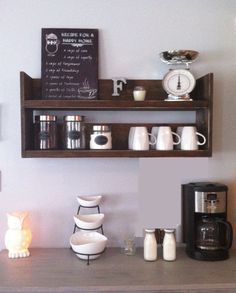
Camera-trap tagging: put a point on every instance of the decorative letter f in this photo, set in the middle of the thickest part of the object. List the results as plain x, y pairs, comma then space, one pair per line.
118, 85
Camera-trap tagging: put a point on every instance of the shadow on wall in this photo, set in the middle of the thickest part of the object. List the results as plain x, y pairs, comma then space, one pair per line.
114, 212
232, 207
224, 110
0, 122
217, 114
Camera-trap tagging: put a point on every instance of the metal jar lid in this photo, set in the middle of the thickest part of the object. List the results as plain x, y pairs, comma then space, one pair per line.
101, 128
45, 118
77, 118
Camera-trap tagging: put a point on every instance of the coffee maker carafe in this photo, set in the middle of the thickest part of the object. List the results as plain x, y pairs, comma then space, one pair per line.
207, 233
213, 234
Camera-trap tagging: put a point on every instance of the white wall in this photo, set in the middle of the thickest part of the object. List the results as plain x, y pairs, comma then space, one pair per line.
132, 33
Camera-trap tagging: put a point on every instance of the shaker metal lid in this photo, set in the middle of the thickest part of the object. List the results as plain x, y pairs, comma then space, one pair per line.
149, 230
78, 118
169, 230
101, 127
45, 118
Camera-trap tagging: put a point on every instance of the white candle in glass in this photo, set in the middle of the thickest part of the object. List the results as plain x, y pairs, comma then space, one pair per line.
139, 93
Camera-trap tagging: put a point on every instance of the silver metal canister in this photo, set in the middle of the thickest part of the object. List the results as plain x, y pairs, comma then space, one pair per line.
74, 132
45, 132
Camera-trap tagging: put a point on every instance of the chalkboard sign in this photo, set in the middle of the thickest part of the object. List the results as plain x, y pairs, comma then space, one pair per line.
69, 63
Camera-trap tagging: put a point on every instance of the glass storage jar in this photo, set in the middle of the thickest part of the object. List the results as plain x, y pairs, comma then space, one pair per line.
100, 138
45, 132
74, 132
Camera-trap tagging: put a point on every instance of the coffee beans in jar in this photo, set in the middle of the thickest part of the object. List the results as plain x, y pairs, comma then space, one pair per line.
45, 132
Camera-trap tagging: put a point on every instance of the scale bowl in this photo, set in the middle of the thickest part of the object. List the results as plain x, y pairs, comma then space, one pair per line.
179, 56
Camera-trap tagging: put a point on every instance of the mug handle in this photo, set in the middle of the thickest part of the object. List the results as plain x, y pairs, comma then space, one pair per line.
152, 138
178, 141
204, 139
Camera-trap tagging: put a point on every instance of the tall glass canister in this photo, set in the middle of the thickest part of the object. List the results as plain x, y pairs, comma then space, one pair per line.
74, 132
45, 132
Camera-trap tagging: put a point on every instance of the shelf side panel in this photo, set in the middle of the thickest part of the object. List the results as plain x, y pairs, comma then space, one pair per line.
204, 88
204, 117
26, 87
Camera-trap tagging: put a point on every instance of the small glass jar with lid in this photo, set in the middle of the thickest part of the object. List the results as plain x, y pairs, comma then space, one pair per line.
74, 132
100, 137
150, 245
45, 132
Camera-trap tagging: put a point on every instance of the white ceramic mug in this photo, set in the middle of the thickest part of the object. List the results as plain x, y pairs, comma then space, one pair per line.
164, 136
139, 138
189, 138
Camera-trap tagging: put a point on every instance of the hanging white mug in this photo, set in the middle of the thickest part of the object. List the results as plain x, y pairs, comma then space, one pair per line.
154, 132
189, 138
131, 138
139, 138
164, 136
179, 132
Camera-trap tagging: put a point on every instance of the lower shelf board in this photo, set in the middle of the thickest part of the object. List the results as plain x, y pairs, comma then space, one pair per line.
112, 153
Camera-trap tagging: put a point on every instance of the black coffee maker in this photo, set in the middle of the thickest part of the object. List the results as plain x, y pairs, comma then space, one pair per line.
206, 231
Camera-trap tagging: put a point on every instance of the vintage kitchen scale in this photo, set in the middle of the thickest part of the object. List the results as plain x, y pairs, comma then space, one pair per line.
179, 82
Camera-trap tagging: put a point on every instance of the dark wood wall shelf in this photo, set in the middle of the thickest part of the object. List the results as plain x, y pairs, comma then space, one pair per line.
116, 105
32, 101
112, 153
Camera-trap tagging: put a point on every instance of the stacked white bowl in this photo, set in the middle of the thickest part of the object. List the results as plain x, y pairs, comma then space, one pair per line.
90, 221
89, 201
90, 243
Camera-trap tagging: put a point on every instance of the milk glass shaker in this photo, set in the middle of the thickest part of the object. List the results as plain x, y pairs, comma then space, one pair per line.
169, 245
150, 245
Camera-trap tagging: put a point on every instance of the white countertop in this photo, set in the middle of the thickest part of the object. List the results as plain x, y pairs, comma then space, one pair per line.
59, 270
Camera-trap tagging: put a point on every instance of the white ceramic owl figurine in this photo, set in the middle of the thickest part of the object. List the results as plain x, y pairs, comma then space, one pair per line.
17, 237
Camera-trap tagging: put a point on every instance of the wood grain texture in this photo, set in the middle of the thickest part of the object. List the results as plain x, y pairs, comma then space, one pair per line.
59, 270
31, 101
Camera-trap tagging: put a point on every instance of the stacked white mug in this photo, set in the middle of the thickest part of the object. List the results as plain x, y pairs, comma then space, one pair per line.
189, 138
164, 136
139, 138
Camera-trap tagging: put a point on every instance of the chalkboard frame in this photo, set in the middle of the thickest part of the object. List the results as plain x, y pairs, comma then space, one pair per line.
69, 67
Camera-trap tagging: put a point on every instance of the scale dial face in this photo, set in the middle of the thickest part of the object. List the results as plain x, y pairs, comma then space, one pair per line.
178, 82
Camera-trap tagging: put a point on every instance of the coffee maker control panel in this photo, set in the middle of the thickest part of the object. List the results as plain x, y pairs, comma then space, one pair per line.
210, 202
